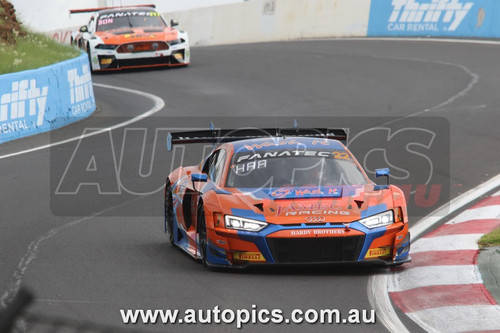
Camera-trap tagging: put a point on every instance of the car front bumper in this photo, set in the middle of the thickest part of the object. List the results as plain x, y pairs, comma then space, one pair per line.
310, 244
102, 60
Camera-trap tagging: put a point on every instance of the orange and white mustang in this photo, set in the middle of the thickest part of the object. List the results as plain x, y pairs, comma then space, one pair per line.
131, 37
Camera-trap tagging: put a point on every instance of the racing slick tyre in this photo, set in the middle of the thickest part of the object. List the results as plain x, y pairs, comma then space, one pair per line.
202, 234
169, 211
90, 60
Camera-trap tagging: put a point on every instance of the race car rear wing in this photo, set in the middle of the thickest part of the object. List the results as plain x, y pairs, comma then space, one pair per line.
91, 10
217, 136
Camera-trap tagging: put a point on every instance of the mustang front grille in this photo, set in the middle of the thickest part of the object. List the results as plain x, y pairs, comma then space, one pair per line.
315, 250
142, 47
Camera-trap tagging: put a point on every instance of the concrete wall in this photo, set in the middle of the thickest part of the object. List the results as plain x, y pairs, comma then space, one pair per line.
277, 20
274, 20
266, 20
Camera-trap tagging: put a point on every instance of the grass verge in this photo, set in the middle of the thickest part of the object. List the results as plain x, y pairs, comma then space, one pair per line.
491, 239
33, 51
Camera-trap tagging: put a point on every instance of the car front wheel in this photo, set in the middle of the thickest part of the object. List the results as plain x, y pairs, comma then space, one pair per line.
169, 212
202, 234
90, 60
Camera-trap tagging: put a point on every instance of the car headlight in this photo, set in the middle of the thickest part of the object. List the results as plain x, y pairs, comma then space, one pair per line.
240, 223
106, 46
176, 41
379, 220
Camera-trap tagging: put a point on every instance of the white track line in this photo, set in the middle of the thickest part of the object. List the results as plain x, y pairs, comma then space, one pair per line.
474, 80
380, 301
158, 105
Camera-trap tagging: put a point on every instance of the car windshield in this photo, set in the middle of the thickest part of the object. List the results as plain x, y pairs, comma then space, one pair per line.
130, 20
279, 168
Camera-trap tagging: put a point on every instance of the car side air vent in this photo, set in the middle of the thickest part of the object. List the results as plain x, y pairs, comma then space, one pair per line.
260, 206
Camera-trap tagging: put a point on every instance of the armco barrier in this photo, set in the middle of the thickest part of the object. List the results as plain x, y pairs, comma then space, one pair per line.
435, 18
44, 99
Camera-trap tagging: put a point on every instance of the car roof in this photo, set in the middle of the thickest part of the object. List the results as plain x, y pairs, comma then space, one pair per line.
272, 143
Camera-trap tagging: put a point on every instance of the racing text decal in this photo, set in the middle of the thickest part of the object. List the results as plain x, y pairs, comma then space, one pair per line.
124, 14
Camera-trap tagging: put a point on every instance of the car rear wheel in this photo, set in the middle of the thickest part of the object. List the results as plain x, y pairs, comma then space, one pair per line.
169, 211
202, 234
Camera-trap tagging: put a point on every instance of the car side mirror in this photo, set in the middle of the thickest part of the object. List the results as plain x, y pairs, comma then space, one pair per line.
174, 23
382, 172
199, 177
84, 28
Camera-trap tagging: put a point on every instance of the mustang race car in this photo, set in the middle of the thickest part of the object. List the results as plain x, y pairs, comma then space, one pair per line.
293, 197
130, 37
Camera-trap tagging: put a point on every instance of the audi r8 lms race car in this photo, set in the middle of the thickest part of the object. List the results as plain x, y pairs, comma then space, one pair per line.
131, 37
294, 197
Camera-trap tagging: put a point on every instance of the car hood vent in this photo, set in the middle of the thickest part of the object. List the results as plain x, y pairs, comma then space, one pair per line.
123, 32
153, 30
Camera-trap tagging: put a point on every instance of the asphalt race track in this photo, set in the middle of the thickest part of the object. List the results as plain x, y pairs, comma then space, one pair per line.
87, 256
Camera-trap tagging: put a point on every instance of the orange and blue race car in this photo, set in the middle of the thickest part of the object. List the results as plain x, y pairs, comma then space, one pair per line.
286, 196
130, 37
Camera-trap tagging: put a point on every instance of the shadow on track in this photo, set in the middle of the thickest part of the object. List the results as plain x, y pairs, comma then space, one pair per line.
173, 257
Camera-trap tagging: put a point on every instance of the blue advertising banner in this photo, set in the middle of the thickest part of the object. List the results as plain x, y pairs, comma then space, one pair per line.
40, 100
435, 18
